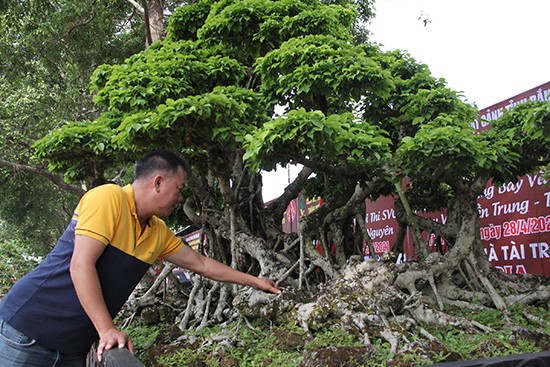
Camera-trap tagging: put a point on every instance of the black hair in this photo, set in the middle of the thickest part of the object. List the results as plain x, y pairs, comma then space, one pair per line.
160, 160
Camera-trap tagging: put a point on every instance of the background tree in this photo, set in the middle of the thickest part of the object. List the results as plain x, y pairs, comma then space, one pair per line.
48, 51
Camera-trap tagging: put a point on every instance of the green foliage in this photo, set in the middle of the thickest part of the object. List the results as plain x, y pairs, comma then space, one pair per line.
257, 345
164, 71
252, 25
48, 50
333, 20
416, 98
500, 342
69, 149
523, 132
187, 20
320, 72
144, 337
497, 320
182, 357
336, 140
481, 345
382, 356
365, 8
33, 210
443, 145
222, 116
56, 46
519, 316
16, 259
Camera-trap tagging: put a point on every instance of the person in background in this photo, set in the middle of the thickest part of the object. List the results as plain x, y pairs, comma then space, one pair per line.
53, 315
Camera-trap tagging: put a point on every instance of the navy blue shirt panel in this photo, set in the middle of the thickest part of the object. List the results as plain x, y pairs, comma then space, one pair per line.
47, 294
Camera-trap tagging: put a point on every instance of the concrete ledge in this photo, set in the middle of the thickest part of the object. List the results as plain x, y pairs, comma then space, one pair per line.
120, 357
541, 359
117, 357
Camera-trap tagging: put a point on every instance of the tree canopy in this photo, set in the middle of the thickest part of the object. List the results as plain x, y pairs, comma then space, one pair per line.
354, 115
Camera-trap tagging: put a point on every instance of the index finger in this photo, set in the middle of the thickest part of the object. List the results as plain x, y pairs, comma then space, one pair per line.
271, 286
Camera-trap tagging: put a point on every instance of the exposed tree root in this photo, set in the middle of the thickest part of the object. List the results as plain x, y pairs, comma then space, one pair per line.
369, 298
148, 298
427, 315
366, 300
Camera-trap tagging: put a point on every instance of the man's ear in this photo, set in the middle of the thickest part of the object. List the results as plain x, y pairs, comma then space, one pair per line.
157, 182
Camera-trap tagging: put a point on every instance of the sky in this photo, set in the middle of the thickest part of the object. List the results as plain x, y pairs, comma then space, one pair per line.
489, 50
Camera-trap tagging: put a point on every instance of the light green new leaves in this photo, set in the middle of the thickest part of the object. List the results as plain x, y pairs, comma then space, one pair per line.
443, 146
164, 71
248, 29
447, 149
222, 116
320, 72
524, 132
69, 149
342, 141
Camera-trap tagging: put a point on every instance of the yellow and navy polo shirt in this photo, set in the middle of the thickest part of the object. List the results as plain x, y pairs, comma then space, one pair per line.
44, 306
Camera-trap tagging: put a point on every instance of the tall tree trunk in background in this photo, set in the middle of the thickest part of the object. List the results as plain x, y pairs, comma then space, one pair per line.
152, 12
154, 25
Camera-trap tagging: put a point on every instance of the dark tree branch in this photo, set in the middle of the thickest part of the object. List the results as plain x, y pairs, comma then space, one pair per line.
279, 205
57, 180
80, 24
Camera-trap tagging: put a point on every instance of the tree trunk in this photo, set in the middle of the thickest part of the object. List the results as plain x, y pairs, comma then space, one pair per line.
152, 12
156, 21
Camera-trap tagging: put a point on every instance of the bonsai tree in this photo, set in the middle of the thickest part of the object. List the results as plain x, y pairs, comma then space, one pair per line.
241, 86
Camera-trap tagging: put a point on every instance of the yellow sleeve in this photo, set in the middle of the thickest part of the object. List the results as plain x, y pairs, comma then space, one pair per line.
172, 243
98, 213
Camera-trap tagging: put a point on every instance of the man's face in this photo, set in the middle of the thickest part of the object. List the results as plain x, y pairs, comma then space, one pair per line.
170, 188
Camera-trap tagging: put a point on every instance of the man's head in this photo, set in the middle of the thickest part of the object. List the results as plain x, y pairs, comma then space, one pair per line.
161, 161
159, 178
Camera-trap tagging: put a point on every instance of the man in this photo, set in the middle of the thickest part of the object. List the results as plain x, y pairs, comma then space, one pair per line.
53, 315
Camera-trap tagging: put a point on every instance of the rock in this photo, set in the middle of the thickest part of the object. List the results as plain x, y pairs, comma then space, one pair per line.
150, 316
336, 357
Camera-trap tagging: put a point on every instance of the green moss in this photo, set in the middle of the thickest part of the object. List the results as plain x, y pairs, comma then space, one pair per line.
332, 337
262, 344
182, 357
144, 337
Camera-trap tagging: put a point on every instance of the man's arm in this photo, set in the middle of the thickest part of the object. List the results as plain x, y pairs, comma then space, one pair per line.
86, 282
191, 260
